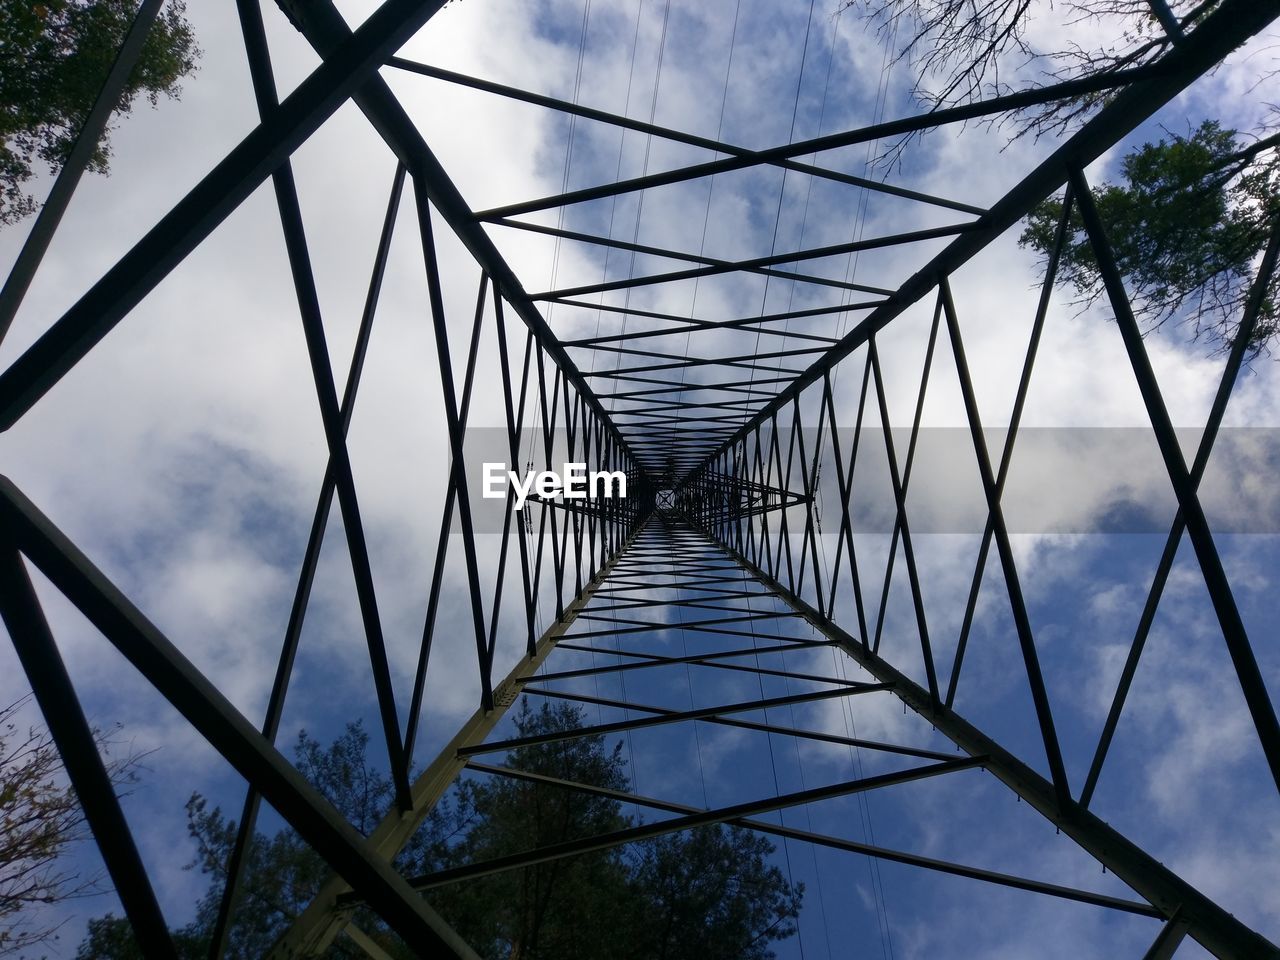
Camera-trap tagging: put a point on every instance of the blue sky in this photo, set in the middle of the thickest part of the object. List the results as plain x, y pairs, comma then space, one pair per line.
185, 453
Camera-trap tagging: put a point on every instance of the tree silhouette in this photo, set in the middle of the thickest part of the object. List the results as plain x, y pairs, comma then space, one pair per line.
1186, 224
703, 894
1190, 215
706, 894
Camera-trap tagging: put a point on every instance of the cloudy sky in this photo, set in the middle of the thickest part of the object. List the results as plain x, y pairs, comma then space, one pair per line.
185, 453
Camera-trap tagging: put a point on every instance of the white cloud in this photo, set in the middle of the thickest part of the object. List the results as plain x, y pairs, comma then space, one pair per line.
185, 453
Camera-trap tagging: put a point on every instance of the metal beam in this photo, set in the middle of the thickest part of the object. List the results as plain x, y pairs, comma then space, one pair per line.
322, 25
348, 65
703, 818
233, 736
1231, 24
325, 917
839, 843
1209, 924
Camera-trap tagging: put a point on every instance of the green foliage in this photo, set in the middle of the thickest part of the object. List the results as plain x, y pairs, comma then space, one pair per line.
707, 894
711, 895
564, 908
699, 895
1187, 224
111, 938
54, 57
282, 874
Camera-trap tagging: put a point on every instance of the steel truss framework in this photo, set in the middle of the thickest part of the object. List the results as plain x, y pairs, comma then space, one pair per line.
722, 444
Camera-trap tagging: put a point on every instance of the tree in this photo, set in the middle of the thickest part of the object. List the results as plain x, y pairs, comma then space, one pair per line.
711, 895
54, 57
282, 874
1191, 215
40, 821
563, 908
703, 894
1186, 226
961, 51
708, 894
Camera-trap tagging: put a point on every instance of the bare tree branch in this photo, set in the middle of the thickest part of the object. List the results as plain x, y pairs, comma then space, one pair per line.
40, 818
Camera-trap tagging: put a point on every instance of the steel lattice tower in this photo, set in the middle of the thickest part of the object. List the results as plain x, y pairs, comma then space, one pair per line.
723, 427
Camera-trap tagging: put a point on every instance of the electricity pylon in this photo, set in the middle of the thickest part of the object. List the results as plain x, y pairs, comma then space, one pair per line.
719, 542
